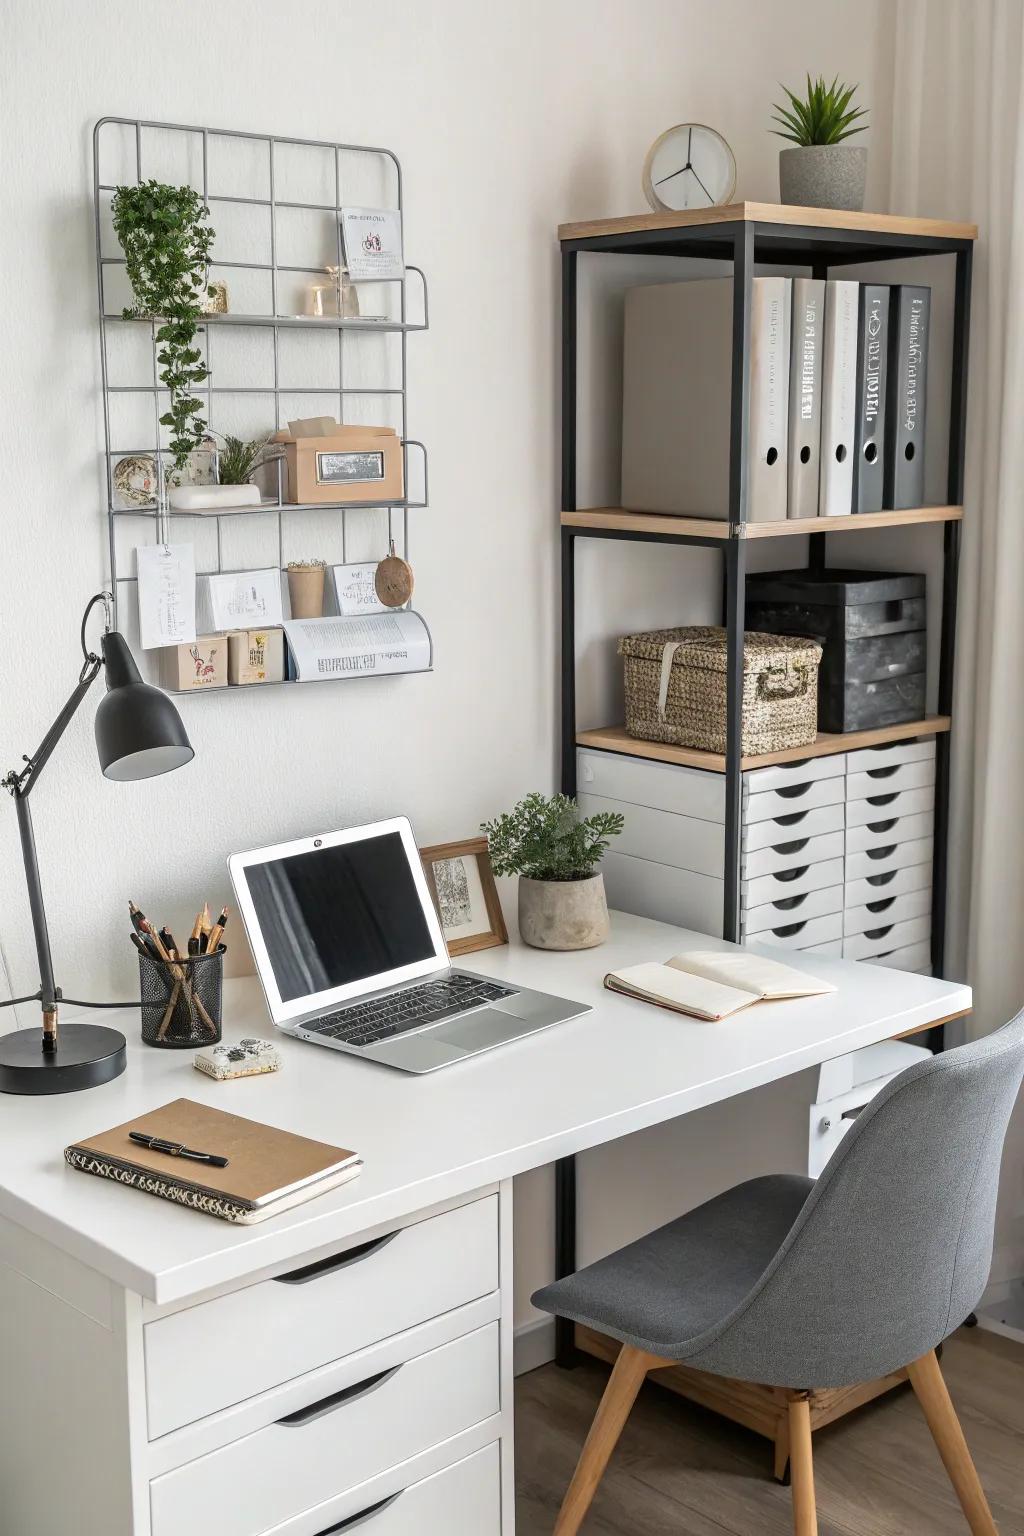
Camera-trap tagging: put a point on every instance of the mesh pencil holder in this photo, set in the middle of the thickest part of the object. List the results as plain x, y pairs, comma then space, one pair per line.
181, 1000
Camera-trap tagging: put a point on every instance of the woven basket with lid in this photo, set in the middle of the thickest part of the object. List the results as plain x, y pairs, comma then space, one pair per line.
676, 686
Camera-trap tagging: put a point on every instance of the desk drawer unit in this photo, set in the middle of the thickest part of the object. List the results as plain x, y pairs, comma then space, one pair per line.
321, 1451
220, 1352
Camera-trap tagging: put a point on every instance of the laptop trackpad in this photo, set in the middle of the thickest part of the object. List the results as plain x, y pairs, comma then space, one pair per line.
479, 1031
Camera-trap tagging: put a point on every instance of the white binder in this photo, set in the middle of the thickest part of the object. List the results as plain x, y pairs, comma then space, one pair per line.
838, 398
805, 341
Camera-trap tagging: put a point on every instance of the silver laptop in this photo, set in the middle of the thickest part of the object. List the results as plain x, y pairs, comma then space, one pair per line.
351, 954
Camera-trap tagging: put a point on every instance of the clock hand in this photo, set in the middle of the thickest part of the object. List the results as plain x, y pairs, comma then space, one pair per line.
674, 174
703, 188
689, 146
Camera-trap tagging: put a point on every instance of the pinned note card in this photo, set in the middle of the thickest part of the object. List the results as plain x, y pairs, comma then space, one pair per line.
167, 594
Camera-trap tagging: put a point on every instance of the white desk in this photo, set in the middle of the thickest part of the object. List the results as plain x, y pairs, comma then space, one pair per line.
153, 1353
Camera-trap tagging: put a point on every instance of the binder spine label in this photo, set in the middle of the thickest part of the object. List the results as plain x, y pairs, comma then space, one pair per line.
908, 389
805, 395
872, 357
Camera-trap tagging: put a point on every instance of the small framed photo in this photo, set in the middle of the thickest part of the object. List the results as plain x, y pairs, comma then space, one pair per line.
462, 884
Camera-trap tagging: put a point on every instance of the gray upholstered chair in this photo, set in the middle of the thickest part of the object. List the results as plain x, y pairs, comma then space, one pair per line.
801, 1284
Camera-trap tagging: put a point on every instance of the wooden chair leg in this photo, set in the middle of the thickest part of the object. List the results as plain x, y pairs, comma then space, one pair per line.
613, 1410
930, 1390
801, 1461
780, 1467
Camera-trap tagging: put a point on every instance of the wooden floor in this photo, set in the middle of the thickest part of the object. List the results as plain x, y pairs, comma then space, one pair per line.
681, 1472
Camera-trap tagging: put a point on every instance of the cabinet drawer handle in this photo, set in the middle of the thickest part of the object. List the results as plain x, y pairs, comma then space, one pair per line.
801, 842
882, 879
792, 820
882, 826
352, 1521
792, 791
880, 906
878, 933
788, 931
790, 903
882, 853
883, 773
335, 1261
791, 874
351, 1394
883, 799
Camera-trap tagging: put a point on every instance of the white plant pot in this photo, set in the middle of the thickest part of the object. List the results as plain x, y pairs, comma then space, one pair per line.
563, 914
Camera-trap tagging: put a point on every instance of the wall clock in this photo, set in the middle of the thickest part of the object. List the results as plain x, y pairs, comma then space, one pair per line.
689, 166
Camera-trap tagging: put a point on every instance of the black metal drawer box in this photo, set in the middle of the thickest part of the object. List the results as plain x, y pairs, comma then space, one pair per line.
872, 627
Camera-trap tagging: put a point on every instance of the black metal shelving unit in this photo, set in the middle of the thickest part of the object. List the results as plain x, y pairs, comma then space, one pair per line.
745, 235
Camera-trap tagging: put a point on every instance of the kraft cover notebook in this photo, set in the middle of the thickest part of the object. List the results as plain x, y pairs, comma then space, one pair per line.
268, 1170
711, 984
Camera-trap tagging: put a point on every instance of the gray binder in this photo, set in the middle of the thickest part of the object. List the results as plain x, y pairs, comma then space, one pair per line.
805, 395
909, 314
872, 369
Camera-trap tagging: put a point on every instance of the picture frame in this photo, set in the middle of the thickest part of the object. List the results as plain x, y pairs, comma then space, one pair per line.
462, 886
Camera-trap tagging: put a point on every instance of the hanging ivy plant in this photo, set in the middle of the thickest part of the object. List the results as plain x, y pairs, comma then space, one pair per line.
166, 235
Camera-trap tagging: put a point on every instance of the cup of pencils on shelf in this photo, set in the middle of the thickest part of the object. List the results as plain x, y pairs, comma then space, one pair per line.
180, 993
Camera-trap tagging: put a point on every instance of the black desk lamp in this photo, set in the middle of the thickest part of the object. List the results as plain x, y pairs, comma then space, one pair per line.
138, 734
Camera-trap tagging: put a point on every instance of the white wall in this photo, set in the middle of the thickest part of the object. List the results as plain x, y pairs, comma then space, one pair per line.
508, 120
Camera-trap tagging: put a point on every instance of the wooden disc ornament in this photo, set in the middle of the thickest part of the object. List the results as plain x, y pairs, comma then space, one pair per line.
393, 580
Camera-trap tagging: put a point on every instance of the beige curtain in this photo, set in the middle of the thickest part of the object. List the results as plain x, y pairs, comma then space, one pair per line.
958, 151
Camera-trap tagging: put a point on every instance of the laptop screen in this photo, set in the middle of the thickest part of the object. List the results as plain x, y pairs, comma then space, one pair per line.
335, 916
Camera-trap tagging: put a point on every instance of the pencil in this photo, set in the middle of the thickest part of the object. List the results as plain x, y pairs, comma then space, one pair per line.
217, 933
204, 937
195, 937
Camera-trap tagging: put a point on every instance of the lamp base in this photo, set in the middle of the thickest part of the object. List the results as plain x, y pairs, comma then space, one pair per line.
86, 1055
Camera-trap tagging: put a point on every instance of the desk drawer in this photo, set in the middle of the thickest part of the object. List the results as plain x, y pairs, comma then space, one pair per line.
685, 842
465, 1497
875, 861
323, 1450
806, 934
220, 1352
888, 909
668, 895
794, 797
895, 752
887, 882
897, 802
887, 830
886, 938
764, 834
792, 882
781, 775
663, 786
791, 909
793, 851
885, 781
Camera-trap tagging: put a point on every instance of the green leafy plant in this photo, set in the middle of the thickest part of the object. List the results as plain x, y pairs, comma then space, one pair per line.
823, 116
238, 459
546, 839
166, 236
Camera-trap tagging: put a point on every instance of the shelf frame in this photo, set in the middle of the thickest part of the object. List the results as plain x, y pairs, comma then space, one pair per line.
745, 234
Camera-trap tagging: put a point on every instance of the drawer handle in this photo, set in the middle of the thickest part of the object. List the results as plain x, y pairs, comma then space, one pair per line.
364, 1514
790, 903
882, 879
791, 874
882, 853
878, 933
882, 826
335, 1261
788, 931
792, 820
792, 791
801, 842
883, 799
304, 1416
883, 773
880, 906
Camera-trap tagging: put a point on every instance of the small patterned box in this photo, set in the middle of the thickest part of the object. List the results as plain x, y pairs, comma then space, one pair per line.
244, 1058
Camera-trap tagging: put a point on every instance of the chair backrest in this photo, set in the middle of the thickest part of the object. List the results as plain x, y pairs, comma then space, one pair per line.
893, 1247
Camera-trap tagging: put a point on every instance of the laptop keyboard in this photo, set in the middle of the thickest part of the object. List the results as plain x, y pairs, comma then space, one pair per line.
412, 1008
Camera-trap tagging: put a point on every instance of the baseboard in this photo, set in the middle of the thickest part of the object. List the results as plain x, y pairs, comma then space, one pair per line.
533, 1345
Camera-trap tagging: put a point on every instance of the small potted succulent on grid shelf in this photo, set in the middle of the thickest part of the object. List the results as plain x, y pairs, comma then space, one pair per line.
555, 853
822, 170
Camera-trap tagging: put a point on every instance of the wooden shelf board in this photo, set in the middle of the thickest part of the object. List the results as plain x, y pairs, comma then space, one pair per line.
621, 519
774, 213
613, 738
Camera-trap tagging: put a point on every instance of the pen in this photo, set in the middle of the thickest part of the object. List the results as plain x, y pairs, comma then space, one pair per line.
204, 937
217, 933
175, 1149
195, 937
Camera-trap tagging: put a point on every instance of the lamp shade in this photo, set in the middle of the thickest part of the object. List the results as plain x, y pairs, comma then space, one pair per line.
139, 732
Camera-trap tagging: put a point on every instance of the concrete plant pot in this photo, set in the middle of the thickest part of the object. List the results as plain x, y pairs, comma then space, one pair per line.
823, 176
563, 914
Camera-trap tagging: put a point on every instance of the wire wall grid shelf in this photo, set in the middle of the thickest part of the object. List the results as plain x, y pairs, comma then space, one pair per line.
275, 204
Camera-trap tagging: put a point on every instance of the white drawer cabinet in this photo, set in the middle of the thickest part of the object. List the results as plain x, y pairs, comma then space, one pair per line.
220, 1352
686, 842
664, 786
319, 1452
791, 909
667, 894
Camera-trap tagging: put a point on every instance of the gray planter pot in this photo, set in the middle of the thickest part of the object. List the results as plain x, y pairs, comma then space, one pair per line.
563, 914
823, 175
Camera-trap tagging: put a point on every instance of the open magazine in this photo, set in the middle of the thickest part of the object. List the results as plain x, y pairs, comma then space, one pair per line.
711, 984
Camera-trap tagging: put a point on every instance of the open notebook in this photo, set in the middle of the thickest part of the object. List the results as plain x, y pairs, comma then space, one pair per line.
710, 984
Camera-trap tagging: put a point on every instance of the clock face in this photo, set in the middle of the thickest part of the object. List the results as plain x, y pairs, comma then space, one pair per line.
690, 166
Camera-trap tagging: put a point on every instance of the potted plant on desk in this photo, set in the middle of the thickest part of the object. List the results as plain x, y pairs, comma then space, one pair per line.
821, 170
555, 852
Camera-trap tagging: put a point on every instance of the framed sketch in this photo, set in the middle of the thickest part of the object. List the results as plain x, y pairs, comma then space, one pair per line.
461, 882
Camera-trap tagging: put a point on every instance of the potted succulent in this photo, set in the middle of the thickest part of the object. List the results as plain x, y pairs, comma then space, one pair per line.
555, 853
822, 171
166, 236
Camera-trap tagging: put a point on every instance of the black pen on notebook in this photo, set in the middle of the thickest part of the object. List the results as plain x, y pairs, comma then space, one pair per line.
175, 1149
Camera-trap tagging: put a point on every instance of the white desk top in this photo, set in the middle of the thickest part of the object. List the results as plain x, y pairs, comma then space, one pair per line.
428, 1139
